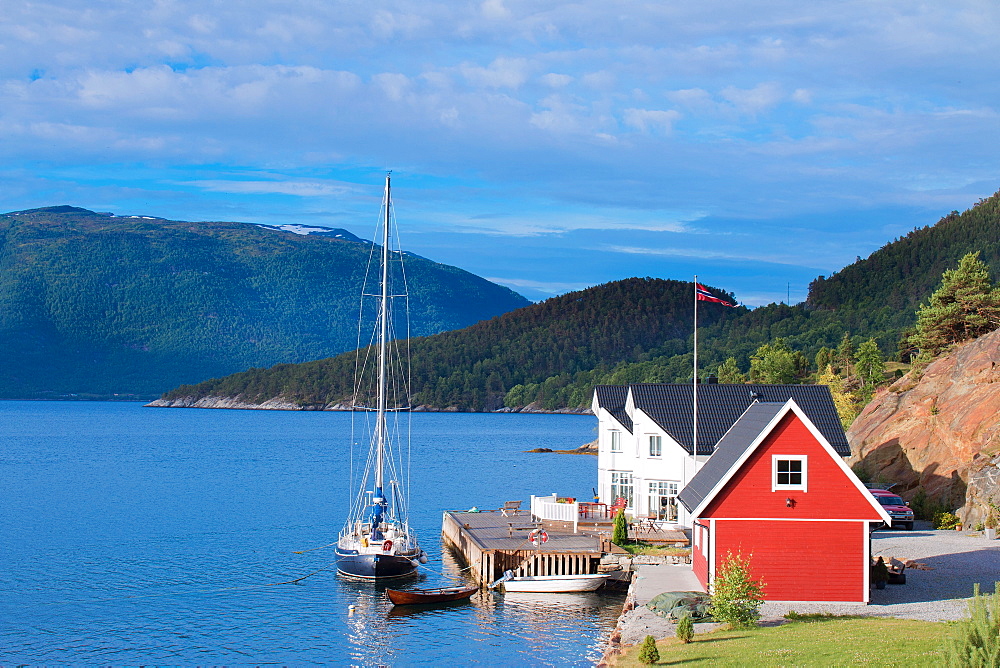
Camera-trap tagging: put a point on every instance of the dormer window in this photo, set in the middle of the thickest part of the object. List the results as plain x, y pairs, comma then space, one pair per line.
789, 472
616, 441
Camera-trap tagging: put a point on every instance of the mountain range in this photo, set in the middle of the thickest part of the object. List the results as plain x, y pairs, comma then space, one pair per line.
97, 305
550, 355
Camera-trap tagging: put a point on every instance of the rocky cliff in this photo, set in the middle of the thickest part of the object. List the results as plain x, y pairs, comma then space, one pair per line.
940, 432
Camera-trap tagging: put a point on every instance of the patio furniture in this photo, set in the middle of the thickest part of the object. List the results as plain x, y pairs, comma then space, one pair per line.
510, 508
620, 503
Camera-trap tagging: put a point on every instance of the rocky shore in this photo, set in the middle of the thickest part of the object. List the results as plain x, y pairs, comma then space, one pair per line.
280, 404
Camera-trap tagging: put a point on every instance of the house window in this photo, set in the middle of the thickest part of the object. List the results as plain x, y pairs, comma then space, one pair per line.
616, 441
621, 486
789, 472
655, 446
663, 500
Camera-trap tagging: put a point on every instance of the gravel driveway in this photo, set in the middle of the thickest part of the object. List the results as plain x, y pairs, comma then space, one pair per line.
957, 560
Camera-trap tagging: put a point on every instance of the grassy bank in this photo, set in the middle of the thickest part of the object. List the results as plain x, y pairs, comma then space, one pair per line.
825, 641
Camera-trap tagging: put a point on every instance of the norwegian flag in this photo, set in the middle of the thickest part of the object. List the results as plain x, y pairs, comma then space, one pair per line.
703, 295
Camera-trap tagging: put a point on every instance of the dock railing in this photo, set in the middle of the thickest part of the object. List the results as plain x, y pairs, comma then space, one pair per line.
546, 508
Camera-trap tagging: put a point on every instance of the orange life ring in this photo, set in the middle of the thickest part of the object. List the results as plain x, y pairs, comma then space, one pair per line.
387, 546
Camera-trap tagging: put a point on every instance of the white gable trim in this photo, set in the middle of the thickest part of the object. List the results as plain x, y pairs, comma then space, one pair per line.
791, 406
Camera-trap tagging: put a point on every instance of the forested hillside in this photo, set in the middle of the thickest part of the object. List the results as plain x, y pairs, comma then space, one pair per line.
552, 354
474, 368
94, 304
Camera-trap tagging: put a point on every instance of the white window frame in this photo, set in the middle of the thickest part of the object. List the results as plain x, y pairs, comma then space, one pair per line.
655, 438
803, 486
616, 440
662, 489
620, 481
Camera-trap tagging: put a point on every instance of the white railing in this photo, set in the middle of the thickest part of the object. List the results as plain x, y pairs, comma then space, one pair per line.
546, 508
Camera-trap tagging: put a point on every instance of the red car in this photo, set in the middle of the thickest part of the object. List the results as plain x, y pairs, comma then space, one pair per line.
898, 509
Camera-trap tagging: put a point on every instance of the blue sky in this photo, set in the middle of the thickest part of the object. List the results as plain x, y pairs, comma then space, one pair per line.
548, 146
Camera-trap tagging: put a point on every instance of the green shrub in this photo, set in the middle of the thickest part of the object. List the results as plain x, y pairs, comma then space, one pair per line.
648, 654
976, 641
945, 520
685, 629
736, 596
620, 534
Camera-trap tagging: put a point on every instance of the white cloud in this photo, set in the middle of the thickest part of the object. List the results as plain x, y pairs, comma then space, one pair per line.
395, 86
651, 120
501, 73
753, 101
556, 80
495, 10
301, 188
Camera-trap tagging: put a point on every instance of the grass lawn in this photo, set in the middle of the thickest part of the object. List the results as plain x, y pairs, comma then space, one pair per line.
826, 641
640, 547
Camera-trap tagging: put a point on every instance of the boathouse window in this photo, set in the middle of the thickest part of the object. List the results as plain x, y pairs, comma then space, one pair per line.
616, 441
663, 499
655, 446
789, 472
621, 486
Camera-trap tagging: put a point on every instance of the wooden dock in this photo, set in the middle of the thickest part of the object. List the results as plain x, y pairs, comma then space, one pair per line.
491, 543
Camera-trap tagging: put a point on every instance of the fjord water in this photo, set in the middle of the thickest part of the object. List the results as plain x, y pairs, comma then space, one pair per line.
134, 535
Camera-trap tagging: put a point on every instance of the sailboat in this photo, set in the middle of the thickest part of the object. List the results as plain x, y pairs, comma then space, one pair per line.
377, 541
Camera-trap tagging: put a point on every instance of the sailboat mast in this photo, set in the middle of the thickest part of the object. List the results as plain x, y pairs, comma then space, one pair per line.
383, 346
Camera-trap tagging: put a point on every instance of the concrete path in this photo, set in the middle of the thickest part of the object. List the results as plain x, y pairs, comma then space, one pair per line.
649, 581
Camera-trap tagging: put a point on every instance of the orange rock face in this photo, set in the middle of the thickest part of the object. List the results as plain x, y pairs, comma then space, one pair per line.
940, 431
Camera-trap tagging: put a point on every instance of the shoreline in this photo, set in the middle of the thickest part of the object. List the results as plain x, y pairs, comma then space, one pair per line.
276, 404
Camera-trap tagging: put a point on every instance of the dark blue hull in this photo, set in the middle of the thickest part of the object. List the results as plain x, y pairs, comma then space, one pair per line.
375, 566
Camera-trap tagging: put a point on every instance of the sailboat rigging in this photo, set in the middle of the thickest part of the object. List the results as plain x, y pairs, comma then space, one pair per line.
377, 540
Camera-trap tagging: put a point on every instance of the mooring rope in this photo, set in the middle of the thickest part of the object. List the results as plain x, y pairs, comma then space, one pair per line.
313, 549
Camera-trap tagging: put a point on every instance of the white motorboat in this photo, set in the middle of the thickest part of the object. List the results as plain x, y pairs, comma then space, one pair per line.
555, 583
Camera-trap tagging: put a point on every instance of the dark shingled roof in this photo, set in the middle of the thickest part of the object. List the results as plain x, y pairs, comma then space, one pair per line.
728, 451
719, 406
612, 399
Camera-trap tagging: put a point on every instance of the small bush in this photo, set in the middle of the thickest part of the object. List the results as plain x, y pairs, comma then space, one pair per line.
976, 641
648, 654
945, 520
736, 596
685, 629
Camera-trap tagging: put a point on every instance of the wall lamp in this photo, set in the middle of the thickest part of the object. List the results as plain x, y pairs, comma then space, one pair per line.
789, 502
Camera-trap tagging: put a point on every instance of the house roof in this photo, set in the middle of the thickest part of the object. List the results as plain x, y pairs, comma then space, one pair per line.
719, 407
728, 451
612, 399
738, 445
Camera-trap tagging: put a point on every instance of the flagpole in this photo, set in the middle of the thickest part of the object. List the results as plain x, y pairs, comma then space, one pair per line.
694, 448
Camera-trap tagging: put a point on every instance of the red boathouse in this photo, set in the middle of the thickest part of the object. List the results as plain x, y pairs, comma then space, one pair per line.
777, 490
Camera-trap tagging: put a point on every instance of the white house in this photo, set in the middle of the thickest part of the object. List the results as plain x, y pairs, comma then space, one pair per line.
646, 434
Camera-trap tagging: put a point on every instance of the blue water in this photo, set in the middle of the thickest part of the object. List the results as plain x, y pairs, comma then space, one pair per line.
134, 535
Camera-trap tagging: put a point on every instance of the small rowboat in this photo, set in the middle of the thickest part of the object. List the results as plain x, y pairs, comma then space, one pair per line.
437, 595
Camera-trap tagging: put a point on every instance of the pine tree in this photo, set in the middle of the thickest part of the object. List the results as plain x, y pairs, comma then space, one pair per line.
648, 654
976, 642
845, 354
965, 306
729, 372
685, 629
619, 535
870, 367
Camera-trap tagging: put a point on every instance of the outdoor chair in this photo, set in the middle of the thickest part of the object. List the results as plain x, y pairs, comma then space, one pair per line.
510, 508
